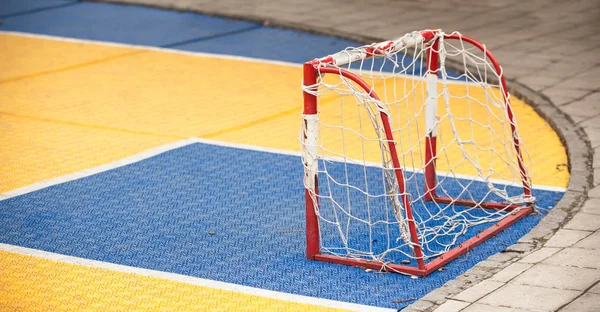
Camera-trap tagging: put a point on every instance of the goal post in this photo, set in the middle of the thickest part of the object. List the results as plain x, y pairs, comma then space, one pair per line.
408, 163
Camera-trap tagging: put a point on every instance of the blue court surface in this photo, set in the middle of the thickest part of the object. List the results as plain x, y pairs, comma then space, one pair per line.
220, 213
163, 28
160, 214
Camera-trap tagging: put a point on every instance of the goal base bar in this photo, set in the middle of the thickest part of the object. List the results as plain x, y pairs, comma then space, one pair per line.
472, 203
439, 262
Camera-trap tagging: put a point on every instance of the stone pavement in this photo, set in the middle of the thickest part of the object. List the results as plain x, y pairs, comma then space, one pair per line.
550, 53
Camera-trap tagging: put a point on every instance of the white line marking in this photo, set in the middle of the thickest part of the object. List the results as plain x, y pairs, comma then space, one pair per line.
136, 158
367, 163
190, 280
167, 147
201, 54
88, 172
157, 49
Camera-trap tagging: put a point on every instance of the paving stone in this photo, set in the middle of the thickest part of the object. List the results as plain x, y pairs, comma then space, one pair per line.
520, 247
584, 222
489, 264
577, 186
452, 306
590, 242
586, 303
581, 108
594, 98
577, 118
475, 274
594, 137
553, 219
544, 230
561, 277
595, 192
503, 257
566, 48
579, 82
591, 103
478, 307
474, 293
567, 69
420, 305
510, 272
529, 297
538, 82
409, 309
583, 58
566, 238
436, 295
539, 255
528, 238
596, 159
561, 100
592, 206
592, 123
515, 71
577, 257
570, 93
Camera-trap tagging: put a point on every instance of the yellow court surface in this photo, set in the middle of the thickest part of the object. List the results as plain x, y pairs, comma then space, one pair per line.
104, 103
34, 284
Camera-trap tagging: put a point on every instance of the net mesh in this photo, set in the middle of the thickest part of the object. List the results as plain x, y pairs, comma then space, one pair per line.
361, 208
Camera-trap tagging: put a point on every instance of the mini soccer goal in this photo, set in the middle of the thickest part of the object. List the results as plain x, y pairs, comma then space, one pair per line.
411, 153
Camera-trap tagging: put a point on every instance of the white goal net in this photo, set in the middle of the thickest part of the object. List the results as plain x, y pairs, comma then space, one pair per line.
405, 156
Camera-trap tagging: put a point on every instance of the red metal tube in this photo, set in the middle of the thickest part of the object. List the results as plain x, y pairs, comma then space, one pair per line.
431, 139
374, 265
472, 203
312, 221
476, 240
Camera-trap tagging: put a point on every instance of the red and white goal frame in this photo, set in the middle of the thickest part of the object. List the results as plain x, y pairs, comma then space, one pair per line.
333, 65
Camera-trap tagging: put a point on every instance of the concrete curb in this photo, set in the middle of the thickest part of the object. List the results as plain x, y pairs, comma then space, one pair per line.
573, 137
